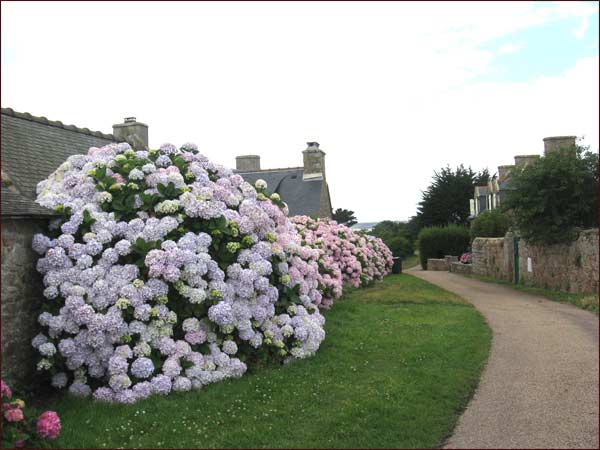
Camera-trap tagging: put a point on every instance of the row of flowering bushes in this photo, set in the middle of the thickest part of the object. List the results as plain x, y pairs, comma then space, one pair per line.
168, 272
17, 431
345, 257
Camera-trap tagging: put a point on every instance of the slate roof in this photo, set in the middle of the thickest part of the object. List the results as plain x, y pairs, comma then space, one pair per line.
302, 196
32, 148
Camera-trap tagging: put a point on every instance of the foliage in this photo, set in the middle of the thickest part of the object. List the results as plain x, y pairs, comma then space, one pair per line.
413, 227
554, 197
446, 200
490, 223
436, 242
344, 216
166, 272
396, 236
375, 383
17, 430
466, 258
400, 246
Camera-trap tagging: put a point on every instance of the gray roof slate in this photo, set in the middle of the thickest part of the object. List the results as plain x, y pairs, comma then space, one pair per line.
302, 196
32, 148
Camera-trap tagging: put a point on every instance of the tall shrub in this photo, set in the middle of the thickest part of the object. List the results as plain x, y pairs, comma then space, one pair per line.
557, 195
490, 223
436, 242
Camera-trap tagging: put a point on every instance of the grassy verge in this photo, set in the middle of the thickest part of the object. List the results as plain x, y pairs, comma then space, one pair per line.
583, 301
400, 361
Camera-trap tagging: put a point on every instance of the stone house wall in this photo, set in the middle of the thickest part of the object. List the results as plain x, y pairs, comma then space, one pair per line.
21, 298
566, 267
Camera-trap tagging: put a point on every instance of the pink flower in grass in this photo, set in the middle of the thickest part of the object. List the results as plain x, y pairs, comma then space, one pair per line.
48, 425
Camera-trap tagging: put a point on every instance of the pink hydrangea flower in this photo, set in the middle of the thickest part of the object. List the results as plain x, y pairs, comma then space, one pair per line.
48, 425
13, 415
5, 389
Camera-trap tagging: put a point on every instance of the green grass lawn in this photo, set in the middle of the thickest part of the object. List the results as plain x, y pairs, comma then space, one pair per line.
400, 361
588, 302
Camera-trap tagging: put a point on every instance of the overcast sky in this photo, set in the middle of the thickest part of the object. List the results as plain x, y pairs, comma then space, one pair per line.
391, 91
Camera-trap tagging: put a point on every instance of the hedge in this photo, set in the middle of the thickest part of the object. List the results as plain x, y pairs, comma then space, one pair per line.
436, 242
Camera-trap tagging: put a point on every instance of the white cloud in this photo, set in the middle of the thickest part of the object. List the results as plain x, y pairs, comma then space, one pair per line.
580, 31
386, 88
510, 47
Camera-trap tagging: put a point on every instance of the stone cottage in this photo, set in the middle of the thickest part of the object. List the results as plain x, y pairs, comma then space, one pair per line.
494, 193
303, 188
32, 148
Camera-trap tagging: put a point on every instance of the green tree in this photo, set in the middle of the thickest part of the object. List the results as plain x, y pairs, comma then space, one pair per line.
446, 200
396, 236
490, 223
344, 216
554, 197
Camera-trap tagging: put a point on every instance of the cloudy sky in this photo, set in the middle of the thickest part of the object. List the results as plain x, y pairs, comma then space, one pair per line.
391, 91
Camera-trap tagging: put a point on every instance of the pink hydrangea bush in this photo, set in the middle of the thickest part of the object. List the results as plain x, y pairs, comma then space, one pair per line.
17, 431
358, 258
167, 272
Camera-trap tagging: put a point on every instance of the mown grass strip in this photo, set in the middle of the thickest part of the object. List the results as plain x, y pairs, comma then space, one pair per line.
401, 360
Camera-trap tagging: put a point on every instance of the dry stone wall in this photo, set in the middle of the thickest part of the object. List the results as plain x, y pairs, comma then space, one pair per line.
21, 298
567, 267
491, 258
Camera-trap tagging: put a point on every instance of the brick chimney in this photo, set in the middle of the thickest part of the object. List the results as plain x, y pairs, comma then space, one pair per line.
247, 163
554, 143
133, 132
314, 161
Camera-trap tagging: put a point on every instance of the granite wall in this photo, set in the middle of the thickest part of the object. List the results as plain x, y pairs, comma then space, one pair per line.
569, 267
21, 298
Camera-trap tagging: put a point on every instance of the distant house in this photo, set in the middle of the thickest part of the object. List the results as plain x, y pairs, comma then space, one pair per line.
303, 188
492, 195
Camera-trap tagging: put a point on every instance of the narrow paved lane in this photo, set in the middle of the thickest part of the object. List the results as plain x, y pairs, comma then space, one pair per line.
540, 386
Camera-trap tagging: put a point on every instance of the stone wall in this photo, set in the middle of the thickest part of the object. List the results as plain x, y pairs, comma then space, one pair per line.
465, 269
437, 264
567, 267
21, 298
491, 258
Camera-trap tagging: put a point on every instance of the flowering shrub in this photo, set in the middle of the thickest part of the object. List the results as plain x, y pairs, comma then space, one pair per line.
466, 258
348, 257
17, 431
167, 272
